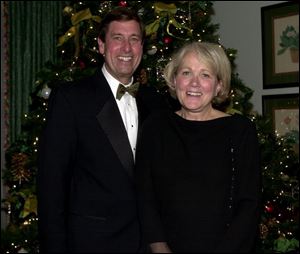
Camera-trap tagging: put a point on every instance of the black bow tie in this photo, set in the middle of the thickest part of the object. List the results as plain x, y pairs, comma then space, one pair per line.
132, 90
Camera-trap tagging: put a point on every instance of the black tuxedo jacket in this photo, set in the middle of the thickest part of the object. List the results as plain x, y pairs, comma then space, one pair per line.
86, 193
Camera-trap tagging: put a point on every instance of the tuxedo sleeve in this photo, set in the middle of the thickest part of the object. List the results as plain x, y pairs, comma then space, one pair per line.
55, 157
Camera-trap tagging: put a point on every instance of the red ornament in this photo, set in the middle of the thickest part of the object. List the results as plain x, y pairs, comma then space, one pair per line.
81, 65
123, 4
269, 208
167, 40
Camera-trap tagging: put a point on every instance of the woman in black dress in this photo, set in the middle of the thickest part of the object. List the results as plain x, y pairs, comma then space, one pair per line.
198, 172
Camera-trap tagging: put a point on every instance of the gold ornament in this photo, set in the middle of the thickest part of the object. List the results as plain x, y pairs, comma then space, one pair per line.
264, 230
19, 170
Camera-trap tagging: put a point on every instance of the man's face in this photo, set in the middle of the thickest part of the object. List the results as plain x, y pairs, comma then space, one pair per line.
122, 49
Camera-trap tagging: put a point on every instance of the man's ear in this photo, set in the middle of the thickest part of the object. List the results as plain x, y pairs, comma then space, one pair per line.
101, 46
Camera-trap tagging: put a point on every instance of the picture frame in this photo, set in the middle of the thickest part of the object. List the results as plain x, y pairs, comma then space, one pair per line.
283, 110
280, 45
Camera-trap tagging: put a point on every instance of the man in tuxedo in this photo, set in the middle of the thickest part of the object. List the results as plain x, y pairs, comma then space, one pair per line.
86, 194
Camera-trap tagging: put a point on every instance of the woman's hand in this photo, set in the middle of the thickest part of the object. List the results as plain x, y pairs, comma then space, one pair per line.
160, 247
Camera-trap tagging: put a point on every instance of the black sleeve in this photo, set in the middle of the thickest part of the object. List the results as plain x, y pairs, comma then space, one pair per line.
243, 227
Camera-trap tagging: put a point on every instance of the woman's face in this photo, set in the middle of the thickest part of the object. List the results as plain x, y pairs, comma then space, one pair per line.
195, 84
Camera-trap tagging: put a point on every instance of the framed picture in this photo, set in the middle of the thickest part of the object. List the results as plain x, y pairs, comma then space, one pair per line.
284, 113
280, 45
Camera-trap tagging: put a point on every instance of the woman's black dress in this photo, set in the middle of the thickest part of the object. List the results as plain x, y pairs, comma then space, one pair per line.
199, 183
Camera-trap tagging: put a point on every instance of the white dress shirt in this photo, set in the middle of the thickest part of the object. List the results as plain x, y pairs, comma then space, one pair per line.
127, 107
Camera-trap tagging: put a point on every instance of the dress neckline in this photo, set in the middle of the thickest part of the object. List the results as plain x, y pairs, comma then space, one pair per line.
176, 116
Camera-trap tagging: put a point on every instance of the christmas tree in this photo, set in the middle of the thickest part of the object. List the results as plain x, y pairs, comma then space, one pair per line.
168, 26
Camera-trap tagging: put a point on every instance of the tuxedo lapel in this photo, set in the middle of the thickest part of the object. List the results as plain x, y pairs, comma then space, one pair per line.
111, 122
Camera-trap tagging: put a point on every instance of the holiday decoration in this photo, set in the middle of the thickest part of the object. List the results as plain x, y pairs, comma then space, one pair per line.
18, 166
269, 208
152, 50
123, 3
142, 78
168, 26
68, 10
45, 92
167, 40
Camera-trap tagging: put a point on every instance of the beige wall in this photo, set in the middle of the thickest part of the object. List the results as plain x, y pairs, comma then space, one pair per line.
240, 28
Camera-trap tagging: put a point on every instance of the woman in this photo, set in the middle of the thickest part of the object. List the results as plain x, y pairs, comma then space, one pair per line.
198, 172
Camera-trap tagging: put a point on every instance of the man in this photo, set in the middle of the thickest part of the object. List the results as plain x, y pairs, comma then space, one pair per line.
86, 195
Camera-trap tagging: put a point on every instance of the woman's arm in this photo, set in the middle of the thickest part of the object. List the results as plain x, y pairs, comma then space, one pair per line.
242, 230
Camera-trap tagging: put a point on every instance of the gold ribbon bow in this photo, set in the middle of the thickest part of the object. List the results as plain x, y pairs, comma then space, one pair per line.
165, 10
132, 90
30, 205
74, 30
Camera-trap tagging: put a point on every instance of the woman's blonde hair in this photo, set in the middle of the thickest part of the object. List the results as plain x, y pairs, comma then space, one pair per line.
210, 54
